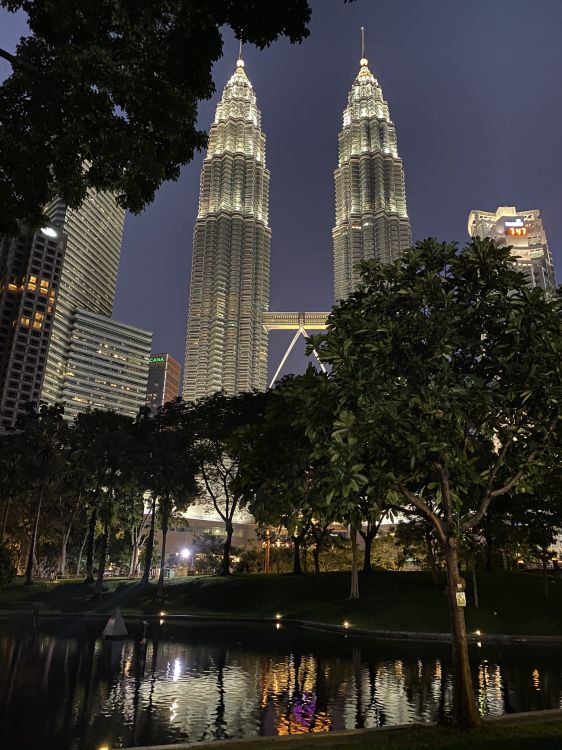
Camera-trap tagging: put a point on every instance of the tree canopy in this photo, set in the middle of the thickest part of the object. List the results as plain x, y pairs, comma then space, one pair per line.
105, 94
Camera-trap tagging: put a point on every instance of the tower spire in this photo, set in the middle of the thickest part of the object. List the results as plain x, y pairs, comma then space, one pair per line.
363, 62
240, 61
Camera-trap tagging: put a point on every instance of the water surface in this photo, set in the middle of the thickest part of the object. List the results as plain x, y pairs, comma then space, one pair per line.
64, 687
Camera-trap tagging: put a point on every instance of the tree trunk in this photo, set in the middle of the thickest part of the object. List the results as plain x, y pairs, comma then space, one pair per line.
33, 541
297, 570
62, 556
80, 553
165, 513
5, 521
316, 558
431, 556
545, 577
103, 553
225, 564
134, 556
368, 539
149, 546
354, 594
90, 547
465, 709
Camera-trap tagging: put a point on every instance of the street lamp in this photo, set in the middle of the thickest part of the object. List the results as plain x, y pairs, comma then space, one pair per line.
185, 553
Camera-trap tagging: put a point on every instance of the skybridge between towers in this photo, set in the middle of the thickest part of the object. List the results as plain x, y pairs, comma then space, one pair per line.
301, 323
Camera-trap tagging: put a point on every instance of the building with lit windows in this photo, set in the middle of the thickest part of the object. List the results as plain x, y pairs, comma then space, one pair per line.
89, 274
371, 215
30, 272
106, 366
524, 231
226, 347
163, 381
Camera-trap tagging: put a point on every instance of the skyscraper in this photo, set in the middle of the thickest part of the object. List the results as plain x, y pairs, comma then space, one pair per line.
525, 232
106, 365
371, 216
89, 274
163, 381
30, 270
226, 346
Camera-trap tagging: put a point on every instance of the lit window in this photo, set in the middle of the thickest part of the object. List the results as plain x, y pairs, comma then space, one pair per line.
25, 321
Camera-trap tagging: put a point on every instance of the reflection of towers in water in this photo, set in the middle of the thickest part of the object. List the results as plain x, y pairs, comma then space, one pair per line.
371, 216
226, 346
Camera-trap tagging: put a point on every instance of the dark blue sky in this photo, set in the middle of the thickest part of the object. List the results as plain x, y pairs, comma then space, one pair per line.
475, 91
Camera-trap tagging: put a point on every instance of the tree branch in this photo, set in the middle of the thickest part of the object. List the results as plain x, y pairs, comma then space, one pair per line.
425, 511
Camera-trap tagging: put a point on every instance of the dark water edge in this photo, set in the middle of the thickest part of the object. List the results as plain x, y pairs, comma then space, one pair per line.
64, 688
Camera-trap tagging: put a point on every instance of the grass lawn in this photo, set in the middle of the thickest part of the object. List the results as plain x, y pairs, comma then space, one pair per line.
497, 735
509, 602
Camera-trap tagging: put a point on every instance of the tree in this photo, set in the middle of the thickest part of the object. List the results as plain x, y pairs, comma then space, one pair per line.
449, 366
106, 452
41, 441
215, 420
171, 470
104, 95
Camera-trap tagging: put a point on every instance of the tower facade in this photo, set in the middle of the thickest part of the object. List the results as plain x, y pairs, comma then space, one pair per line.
371, 215
88, 277
226, 347
524, 231
163, 381
106, 365
30, 270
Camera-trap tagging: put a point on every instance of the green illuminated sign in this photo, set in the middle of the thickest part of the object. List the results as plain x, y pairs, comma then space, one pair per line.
156, 359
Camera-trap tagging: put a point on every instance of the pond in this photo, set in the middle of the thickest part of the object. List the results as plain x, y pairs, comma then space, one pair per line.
65, 687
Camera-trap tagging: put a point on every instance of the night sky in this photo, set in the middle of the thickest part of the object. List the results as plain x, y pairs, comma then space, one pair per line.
475, 91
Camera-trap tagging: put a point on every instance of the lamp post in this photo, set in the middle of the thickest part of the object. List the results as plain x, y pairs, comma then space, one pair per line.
185, 554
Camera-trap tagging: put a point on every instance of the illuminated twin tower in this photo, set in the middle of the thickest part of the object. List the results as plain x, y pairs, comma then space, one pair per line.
228, 317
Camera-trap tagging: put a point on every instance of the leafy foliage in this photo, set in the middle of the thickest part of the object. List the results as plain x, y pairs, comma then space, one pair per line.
104, 94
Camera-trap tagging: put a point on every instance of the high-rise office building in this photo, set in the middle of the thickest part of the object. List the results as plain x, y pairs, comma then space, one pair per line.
525, 232
106, 366
371, 216
30, 272
89, 274
226, 346
163, 381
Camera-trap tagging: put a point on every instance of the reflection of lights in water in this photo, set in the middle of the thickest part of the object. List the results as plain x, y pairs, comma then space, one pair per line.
173, 709
177, 670
302, 717
277, 626
438, 672
536, 679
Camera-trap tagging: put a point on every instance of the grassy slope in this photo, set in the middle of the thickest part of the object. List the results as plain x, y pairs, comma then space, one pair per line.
541, 735
389, 601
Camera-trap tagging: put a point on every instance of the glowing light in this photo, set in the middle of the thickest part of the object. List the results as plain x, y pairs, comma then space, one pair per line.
277, 626
278, 616
479, 644
185, 553
162, 614
161, 622
50, 232
477, 632
177, 670
346, 624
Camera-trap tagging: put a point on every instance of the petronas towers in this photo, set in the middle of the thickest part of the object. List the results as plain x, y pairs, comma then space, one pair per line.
371, 216
226, 341
227, 326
